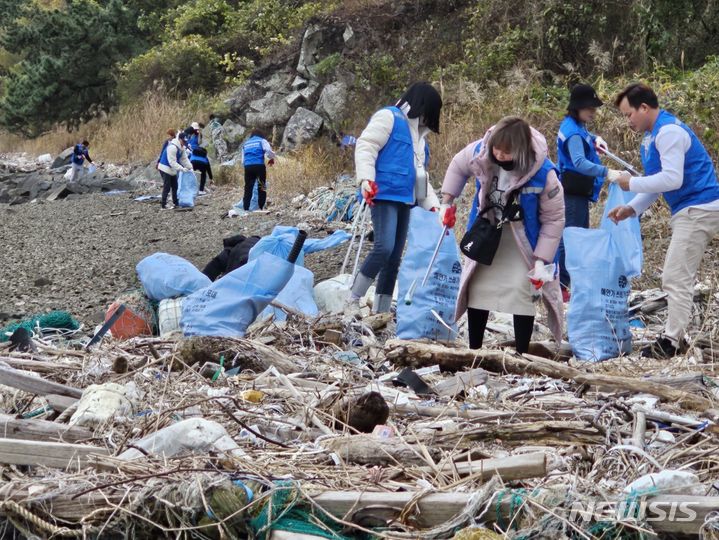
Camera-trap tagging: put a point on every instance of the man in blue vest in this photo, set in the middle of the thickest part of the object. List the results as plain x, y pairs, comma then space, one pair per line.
80, 153
678, 167
254, 151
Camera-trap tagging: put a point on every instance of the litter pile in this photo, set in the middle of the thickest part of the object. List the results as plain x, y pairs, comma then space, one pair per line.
321, 427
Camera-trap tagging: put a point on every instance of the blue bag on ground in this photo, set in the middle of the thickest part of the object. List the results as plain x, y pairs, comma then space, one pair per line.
297, 294
601, 263
280, 243
186, 188
416, 321
229, 305
167, 276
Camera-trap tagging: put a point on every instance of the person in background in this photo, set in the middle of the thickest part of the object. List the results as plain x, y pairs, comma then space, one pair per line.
173, 160
254, 151
346, 141
519, 187
677, 166
580, 169
80, 153
198, 154
391, 159
171, 133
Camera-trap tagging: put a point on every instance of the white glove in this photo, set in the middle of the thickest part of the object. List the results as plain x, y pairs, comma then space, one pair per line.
601, 145
613, 175
366, 186
542, 273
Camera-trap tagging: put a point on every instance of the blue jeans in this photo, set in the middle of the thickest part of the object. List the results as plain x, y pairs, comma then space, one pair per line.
576, 214
390, 221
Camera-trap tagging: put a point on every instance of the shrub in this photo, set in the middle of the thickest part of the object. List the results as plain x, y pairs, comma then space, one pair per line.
176, 67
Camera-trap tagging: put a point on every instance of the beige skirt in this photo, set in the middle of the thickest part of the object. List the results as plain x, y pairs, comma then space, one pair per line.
504, 285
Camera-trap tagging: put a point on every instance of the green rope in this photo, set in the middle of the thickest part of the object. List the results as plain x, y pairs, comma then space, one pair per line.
285, 511
53, 320
516, 501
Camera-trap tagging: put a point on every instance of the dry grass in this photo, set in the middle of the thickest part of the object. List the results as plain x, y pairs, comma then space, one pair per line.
133, 134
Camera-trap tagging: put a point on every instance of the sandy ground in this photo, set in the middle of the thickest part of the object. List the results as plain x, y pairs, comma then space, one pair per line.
78, 255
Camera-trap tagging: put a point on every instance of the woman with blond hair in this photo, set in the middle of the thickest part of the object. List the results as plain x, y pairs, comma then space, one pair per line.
520, 199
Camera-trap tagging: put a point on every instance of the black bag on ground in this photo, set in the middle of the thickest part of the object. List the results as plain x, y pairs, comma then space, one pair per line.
481, 241
577, 184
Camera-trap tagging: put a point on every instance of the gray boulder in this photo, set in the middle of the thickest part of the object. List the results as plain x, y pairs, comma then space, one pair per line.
233, 134
144, 176
63, 158
304, 126
269, 111
333, 103
318, 42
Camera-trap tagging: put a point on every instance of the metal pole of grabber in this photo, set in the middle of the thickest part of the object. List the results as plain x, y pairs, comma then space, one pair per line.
355, 221
361, 240
628, 166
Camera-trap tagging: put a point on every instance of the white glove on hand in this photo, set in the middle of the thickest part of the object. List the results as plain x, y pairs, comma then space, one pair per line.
613, 175
601, 145
366, 186
542, 273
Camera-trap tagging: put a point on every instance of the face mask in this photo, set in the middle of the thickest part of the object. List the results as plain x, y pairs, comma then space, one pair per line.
506, 165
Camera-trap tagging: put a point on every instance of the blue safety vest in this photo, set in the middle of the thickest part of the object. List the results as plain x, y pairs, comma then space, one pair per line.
78, 154
194, 143
252, 151
699, 185
164, 160
567, 129
395, 172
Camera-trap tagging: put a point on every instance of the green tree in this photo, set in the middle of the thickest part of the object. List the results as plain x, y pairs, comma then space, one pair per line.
66, 74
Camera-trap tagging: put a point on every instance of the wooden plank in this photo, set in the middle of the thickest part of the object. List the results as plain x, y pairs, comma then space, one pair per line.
40, 430
461, 382
416, 354
37, 365
35, 385
60, 403
48, 454
517, 467
437, 508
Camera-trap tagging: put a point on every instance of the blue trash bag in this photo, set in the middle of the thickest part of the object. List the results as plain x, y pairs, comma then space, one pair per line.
239, 206
254, 204
280, 242
416, 321
186, 189
168, 276
601, 263
297, 294
229, 305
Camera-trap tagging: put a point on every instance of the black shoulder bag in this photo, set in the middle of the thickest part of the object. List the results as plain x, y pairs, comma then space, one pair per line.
481, 241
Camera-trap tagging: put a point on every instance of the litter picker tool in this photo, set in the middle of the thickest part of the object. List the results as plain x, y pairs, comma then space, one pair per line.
413, 286
628, 166
361, 240
353, 233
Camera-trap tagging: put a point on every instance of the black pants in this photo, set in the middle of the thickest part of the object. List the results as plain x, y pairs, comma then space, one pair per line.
254, 173
169, 183
205, 171
477, 323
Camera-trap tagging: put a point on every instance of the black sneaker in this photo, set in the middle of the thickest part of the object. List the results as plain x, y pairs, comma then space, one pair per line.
662, 348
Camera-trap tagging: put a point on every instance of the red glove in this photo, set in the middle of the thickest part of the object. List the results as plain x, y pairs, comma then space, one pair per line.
447, 215
369, 190
271, 162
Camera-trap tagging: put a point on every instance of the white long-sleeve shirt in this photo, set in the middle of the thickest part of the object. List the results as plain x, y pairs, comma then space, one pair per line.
672, 143
373, 139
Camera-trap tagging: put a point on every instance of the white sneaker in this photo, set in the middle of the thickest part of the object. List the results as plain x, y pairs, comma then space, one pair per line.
168, 207
201, 193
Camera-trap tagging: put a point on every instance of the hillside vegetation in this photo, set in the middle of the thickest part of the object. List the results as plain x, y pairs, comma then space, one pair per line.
122, 72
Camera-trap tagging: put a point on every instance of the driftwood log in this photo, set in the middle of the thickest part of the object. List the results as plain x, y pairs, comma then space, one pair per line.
41, 430
410, 353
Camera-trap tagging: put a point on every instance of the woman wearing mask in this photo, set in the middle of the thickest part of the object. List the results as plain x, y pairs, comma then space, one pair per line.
580, 169
391, 160
518, 187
